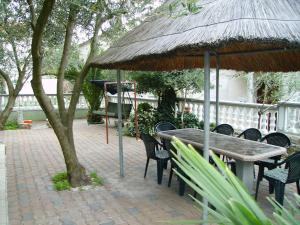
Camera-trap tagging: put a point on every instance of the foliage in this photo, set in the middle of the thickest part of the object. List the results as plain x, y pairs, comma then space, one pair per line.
166, 108
144, 106
11, 125
147, 118
230, 201
52, 59
165, 85
273, 87
58, 25
15, 33
60, 181
15, 60
158, 82
190, 120
211, 125
96, 180
91, 92
179, 8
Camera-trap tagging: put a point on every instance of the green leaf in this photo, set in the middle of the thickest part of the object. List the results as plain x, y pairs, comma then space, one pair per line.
223, 190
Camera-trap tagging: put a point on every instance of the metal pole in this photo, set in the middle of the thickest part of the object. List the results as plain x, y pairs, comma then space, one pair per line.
120, 124
206, 118
217, 88
106, 116
137, 135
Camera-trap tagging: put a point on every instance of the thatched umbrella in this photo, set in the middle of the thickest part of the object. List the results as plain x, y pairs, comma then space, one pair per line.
248, 35
268, 29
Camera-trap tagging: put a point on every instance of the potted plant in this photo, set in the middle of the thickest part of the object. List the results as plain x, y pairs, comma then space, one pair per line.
93, 96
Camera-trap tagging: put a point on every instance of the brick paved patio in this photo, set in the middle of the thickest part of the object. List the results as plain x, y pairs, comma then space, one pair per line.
33, 156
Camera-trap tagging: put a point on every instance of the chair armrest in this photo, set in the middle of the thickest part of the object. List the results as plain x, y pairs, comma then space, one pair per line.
158, 145
280, 163
240, 134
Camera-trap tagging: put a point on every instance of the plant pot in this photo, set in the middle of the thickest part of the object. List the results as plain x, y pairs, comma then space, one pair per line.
94, 119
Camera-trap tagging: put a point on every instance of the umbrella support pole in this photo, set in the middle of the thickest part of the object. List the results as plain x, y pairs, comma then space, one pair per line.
217, 88
120, 124
206, 119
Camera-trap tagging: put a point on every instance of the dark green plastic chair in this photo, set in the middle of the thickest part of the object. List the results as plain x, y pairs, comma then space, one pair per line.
279, 177
277, 139
155, 151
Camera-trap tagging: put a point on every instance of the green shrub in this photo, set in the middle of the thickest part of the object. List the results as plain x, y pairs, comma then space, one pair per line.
147, 118
96, 180
60, 177
190, 120
211, 125
11, 125
62, 185
60, 181
144, 106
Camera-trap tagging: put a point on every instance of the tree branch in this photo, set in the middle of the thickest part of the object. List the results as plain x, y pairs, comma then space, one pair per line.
32, 14
20, 81
36, 81
64, 61
13, 45
8, 81
85, 70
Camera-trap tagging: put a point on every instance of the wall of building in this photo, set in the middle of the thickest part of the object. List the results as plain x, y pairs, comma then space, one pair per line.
232, 87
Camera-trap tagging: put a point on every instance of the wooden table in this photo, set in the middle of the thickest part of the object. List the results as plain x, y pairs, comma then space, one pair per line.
245, 152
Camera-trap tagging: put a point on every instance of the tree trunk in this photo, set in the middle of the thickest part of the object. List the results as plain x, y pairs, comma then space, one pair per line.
64, 132
61, 126
76, 172
7, 110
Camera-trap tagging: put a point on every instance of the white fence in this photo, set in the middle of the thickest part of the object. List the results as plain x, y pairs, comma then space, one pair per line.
283, 117
29, 102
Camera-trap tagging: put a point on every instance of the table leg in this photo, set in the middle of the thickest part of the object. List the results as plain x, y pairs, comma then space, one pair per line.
244, 171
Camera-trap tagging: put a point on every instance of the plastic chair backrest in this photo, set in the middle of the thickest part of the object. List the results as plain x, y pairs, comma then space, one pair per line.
162, 126
252, 134
293, 165
224, 129
278, 139
151, 144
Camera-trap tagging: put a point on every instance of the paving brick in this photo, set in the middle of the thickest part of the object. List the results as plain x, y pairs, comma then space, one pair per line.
33, 156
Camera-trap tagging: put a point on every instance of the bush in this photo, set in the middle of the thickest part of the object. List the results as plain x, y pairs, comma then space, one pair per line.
11, 125
96, 180
189, 120
211, 125
60, 181
147, 118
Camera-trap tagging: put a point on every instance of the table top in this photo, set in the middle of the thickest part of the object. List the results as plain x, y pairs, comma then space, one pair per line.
236, 148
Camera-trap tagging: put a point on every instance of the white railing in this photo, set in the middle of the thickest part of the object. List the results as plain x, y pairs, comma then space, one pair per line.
283, 117
240, 115
29, 102
289, 117
127, 100
268, 118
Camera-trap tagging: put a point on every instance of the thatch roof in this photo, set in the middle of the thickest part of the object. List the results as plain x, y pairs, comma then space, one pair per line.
227, 27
